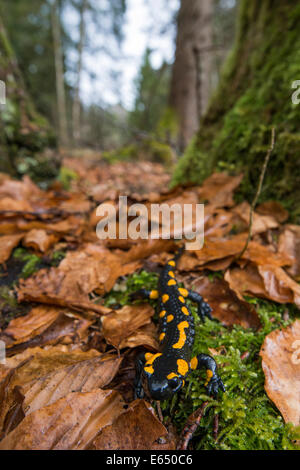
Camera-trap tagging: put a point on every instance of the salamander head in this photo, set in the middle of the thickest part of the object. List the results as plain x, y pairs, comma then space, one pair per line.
161, 388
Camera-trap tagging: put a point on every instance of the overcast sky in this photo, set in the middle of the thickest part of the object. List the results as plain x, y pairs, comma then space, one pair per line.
142, 24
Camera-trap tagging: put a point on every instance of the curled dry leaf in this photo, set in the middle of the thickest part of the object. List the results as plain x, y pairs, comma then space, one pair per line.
137, 428
39, 240
65, 328
274, 209
289, 243
227, 306
268, 281
281, 366
218, 189
93, 268
145, 336
260, 223
121, 324
7, 244
71, 423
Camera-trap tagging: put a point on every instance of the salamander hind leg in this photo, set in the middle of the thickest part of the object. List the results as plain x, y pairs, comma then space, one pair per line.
213, 381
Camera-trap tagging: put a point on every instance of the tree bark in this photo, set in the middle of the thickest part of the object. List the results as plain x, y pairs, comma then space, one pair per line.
190, 87
59, 71
76, 102
255, 95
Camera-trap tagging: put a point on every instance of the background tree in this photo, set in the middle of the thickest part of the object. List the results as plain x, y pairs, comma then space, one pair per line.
191, 69
23, 132
255, 94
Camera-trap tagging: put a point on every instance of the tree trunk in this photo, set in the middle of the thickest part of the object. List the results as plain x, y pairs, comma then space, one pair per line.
22, 129
59, 72
76, 102
255, 94
191, 70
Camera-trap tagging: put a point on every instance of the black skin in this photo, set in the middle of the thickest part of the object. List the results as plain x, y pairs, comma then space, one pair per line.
164, 376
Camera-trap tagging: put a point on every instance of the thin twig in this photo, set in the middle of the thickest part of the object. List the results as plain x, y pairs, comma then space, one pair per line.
254, 202
191, 427
216, 426
160, 415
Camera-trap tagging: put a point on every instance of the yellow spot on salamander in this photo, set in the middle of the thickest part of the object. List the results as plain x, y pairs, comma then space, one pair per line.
181, 299
185, 311
172, 263
194, 363
182, 336
148, 356
172, 282
162, 314
154, 294
170, 318
149, 369
183, 291
209, 375
183, 367
162, 337
152, 358
171, 274
171, 376
165, 298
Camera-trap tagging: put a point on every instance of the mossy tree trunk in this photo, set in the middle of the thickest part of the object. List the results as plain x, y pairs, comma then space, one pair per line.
22, 131
255, 94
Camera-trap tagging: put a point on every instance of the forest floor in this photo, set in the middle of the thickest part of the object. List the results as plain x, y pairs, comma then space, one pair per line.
72, 335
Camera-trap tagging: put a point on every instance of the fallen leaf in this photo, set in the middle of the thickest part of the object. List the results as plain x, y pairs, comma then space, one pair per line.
281, 366
227, 306
71, 423
137, 428
39, 240
7, 244
120, 324
289, 244
274, 209
218, 189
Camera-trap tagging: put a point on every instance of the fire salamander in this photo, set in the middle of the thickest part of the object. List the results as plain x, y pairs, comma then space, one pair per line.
162, 374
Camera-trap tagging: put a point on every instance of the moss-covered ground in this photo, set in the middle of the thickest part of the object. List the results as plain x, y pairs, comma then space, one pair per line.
247, 418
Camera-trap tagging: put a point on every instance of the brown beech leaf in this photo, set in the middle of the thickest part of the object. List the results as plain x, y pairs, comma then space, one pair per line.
289, 243
227, 306
37, 320
145, 336
274, 209
218, 189
39, 240
7, 244
137, 428
65, 327
70, 423
93, 268
281, 366
121, 324
260, 223
268, 281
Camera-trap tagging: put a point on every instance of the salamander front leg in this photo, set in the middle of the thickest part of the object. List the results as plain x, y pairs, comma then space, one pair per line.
144, 294
138, 385
213, 381
204, 310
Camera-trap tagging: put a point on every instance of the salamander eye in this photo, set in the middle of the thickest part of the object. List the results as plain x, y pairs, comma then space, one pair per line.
175, 383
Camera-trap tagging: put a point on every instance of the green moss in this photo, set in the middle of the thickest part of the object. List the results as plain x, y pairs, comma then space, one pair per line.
247, 418
32, 262
254, 95
148, 149
66, 176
